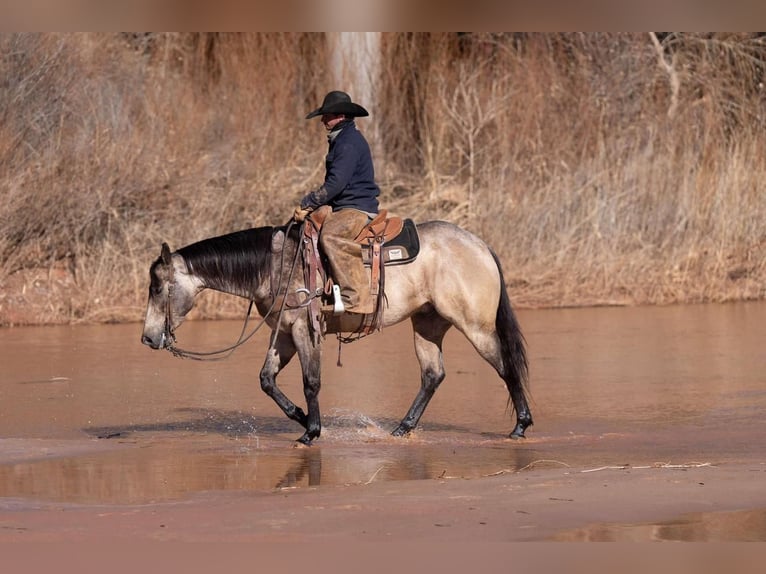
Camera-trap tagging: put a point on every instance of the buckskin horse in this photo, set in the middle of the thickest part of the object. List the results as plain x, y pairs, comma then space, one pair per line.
455, 280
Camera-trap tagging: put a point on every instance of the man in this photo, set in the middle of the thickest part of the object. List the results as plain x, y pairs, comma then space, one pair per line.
349, 188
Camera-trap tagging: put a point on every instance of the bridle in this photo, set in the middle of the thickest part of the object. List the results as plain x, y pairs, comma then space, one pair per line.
221, 354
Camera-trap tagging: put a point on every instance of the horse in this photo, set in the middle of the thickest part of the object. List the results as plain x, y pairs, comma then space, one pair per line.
455, 280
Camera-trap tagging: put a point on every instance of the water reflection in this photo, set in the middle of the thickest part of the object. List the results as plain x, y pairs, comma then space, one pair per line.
151, 470
307, 468
740, 526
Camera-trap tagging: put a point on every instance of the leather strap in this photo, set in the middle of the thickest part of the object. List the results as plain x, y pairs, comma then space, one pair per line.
375, 268
311, 268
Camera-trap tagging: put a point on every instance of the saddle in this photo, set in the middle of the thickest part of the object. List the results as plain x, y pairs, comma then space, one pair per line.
397, 237
384, 241
398, 240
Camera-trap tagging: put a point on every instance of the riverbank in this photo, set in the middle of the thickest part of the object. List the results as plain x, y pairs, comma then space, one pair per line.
53, 297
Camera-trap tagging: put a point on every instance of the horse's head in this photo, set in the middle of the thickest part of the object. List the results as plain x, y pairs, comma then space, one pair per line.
171, 297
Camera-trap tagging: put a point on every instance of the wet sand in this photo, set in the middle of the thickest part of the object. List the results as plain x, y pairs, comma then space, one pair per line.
695, 502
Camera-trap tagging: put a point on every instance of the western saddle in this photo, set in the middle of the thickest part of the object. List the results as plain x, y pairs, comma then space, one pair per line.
374, 238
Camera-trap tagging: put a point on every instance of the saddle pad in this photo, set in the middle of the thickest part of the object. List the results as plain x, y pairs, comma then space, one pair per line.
401, 249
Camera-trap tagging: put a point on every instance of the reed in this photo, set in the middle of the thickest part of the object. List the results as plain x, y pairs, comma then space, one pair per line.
603, 168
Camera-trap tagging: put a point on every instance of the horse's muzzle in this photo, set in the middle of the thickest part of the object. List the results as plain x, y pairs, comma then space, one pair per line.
149, 342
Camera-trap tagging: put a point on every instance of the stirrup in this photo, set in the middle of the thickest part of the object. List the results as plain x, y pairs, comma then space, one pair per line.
338, 307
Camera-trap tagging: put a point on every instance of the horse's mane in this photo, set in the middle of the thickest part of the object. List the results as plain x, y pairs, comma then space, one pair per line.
239, 260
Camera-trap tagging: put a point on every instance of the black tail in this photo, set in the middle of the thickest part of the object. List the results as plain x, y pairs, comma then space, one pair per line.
516, 369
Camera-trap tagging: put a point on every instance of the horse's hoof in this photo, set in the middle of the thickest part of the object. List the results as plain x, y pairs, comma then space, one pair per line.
299, 444
305, 440
522, 424
400, 431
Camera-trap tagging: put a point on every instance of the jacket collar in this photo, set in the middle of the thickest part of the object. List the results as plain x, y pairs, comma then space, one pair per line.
339, 128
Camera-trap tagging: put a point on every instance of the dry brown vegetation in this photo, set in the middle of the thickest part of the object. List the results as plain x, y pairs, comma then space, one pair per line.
603, 168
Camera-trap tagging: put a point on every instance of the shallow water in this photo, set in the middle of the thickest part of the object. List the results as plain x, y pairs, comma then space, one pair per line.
89, 415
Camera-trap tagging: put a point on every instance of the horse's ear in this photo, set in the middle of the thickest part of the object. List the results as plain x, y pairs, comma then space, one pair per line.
165, 254
277, 241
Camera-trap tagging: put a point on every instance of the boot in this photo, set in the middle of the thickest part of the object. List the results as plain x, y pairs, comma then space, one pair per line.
345, 256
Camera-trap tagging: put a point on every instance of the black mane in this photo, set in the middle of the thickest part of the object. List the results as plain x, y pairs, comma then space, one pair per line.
239, 260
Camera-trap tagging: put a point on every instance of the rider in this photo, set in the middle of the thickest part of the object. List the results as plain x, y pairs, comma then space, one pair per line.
349, 189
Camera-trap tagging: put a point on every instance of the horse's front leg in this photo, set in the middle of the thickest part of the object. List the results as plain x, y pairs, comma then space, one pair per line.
310, 356
276, 359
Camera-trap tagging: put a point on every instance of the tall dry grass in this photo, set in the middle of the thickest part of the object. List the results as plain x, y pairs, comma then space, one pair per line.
603, 168
111, 144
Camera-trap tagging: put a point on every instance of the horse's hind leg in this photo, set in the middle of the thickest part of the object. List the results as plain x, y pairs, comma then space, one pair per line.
510, 370
429, 333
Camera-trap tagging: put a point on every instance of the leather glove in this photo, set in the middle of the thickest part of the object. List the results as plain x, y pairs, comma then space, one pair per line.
300, 214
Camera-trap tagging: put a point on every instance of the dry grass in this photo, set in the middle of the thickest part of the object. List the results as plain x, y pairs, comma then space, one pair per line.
603, 168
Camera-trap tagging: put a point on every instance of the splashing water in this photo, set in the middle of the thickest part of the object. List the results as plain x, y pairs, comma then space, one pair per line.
349, 425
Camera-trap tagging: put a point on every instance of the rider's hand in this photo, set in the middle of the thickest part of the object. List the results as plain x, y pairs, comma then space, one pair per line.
300, 214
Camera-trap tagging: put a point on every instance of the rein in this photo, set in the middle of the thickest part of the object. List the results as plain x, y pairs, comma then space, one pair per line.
226, 352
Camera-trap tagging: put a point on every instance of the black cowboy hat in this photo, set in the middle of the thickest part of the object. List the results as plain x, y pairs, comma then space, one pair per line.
338, 103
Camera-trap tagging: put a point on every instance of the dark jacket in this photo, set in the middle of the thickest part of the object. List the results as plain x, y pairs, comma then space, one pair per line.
349, 174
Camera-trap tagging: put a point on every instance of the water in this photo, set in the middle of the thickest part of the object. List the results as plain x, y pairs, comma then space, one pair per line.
89, 415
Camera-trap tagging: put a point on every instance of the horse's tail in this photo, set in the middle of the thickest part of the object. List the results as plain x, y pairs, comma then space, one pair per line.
512, 345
